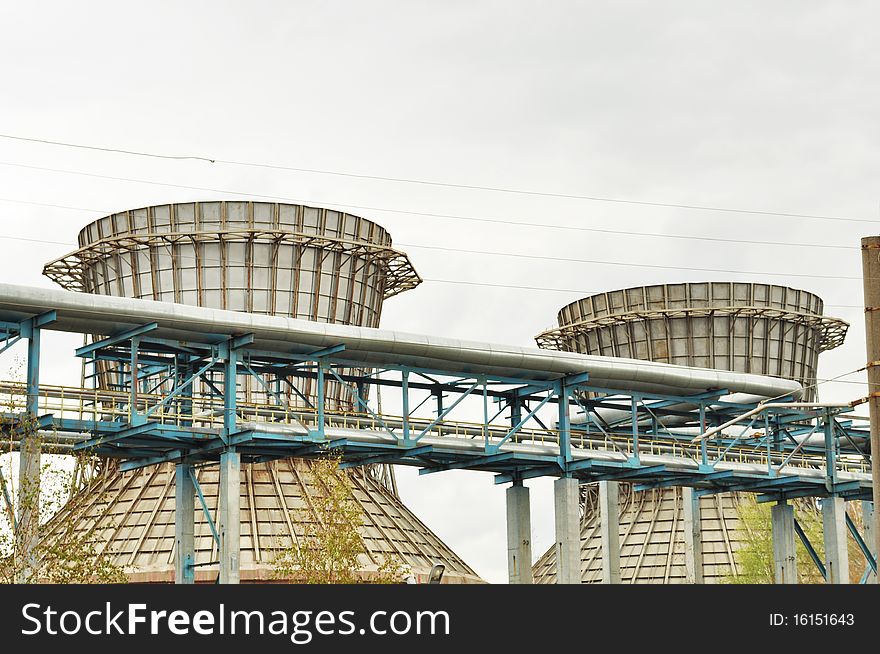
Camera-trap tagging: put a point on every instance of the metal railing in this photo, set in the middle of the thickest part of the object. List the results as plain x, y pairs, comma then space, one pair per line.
205, 413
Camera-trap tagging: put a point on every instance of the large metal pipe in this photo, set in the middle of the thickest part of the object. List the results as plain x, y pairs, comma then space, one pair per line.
770, 405
80, 313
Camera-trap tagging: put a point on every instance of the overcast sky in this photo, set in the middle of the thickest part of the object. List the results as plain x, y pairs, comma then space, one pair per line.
769, 106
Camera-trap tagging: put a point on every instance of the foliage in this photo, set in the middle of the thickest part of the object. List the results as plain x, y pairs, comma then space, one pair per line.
61, 553
754, 558
330, 546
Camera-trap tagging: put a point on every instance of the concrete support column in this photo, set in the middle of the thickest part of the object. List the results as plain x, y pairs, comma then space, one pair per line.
834, 527
519, 535
568, 530
229, 516
184, 525
609, 521
693, 536
784, 553
27, 532
869, 527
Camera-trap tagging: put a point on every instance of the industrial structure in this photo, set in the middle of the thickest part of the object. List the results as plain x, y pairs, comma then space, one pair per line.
206, 410
746, 327
802, 450
261, 258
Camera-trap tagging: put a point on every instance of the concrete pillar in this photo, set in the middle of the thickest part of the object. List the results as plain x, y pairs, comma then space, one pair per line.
27, 532
184, 525
519, 535
834, 527
609, 522
568, 530
869, 527
693, 536
784, 553
229, 516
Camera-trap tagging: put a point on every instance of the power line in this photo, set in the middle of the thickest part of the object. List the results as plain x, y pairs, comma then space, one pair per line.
7, 237
565, 290
114, 150
457, 282
538, 257
474, 187
498, 221
53, 206
626, 264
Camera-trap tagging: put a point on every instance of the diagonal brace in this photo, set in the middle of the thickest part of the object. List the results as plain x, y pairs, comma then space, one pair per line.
810, 549
195, 482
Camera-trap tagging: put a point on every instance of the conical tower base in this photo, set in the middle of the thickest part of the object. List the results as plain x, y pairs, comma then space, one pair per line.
652, 546
131, 516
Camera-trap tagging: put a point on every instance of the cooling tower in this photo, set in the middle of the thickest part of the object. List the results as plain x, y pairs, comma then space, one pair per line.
261, 257
743, 327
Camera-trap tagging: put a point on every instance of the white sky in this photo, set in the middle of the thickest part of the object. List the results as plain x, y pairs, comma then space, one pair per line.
767, 106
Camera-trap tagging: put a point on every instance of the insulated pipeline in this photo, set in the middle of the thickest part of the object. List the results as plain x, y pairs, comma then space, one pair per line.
96, 314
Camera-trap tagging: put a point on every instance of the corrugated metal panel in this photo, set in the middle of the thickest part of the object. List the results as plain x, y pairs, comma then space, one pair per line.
258, 257
743, 327
135, 521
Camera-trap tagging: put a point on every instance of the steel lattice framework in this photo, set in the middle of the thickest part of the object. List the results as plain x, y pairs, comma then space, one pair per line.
832, 330
72, 271
779, 450
762, 328
269, 258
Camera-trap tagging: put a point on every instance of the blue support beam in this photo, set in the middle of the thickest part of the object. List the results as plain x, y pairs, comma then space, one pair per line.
137, 430
647, 471
563, 423
863, 546
26, 533
388, 457
404, 392
814, 556
526, 472
493, 442
446, 412
230, 391
204, 505
531, 414
478, 462
689, 479
818, 488
326, 352
9, 341
197, 452
116, 339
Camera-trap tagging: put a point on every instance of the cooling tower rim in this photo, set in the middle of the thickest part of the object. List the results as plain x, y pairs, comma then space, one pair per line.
83, 234
707, 302
68, 271
832, 330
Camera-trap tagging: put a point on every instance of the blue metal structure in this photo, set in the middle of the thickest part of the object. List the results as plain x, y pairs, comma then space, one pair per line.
157, 419
153, 428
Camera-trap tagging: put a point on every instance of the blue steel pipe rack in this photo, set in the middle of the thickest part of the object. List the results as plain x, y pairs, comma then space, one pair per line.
145, 363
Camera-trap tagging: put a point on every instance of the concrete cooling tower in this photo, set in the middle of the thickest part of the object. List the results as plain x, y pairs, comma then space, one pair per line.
743, 327
261, 257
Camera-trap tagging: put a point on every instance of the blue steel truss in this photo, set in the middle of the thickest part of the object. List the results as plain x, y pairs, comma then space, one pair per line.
599, 434
650, 439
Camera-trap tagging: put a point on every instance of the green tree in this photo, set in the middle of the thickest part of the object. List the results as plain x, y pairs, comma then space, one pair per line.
754, 558
329, 549
69, 556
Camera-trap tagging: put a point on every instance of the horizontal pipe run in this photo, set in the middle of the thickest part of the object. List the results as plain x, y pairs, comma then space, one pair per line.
762, 407
96, 314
